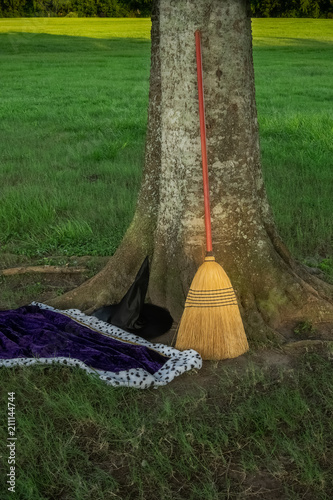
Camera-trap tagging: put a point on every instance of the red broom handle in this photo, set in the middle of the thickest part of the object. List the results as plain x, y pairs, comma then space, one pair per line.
209, 246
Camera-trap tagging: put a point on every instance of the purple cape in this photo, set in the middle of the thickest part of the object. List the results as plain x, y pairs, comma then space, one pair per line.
31, 331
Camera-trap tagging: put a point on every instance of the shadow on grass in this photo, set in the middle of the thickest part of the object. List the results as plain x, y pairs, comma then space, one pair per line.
37, 43
284, 43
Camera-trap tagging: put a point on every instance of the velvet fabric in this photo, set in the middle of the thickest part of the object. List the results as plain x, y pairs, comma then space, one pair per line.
31, 331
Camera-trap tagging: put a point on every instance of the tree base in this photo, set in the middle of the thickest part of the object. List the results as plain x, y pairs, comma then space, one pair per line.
288, 301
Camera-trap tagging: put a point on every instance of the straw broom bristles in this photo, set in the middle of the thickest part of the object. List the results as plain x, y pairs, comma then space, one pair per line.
211, 323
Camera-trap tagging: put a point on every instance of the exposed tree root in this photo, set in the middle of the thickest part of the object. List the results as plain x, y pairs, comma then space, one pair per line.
110, 284
42, 270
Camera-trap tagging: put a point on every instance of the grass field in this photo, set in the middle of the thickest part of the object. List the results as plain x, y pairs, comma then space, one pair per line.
73, 116
259, 432
74, 96
293, 92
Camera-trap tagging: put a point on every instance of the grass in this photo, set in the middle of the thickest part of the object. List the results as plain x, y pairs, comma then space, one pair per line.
71, 166
293, 91
73, 119
255, 433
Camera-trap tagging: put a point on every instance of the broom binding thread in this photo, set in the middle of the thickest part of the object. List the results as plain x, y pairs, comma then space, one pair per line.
211, 298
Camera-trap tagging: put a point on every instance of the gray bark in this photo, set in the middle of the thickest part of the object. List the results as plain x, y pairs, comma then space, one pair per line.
273, 291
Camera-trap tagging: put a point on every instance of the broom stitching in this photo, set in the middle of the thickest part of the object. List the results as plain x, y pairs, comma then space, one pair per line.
219, 305
208, 304
214, 299
200, 293
215, 304
209, 291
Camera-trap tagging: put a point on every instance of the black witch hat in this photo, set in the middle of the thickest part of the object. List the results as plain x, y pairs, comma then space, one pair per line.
132, 314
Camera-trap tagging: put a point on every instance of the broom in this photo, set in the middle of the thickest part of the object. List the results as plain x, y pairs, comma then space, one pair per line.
211, 322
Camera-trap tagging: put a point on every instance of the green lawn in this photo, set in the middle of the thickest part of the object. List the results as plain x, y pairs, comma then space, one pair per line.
74, 96
258, 432
293, 91
73, 115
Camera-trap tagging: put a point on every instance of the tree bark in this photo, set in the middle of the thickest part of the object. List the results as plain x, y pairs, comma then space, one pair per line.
274, 292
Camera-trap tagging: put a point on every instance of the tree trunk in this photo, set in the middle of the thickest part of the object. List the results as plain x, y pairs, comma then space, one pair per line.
274, 292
